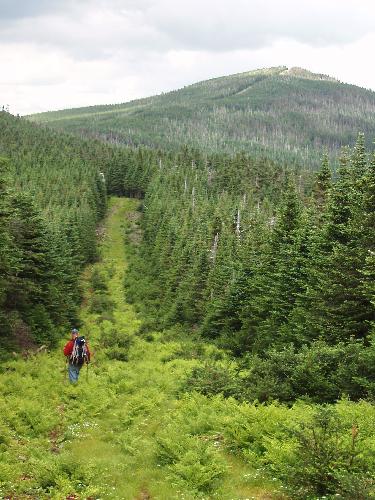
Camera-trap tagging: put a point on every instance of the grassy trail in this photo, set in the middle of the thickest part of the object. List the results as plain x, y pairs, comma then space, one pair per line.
123, 432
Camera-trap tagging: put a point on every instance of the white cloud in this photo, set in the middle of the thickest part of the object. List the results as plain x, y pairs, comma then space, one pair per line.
100, 27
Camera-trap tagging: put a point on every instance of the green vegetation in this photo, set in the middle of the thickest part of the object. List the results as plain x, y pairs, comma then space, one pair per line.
282, 280
131, 430
52, 199
288, 115
233, 336
53, 190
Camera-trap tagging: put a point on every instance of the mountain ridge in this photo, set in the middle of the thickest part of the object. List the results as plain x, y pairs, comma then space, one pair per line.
294, 71
288, 114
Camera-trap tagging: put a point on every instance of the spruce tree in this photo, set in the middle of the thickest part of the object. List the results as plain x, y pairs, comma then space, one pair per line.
9, 254
337, 310
30, 236
323, 182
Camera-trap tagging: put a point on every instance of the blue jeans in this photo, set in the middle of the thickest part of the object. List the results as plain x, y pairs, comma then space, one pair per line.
73, 371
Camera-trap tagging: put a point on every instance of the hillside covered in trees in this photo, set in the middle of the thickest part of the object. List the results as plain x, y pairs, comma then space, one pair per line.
136, 427
53, 195
289, 115
281, 277
271, 262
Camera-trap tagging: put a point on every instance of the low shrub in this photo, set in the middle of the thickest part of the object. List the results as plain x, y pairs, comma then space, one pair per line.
101, 303
98, 280
320, 373
211, 378
116, 338
323, 457
115, 342
118, 353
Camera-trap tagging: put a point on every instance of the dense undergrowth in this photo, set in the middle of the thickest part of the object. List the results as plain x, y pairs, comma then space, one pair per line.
134, 427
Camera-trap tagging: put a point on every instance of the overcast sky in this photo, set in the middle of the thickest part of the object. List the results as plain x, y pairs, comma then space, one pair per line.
57, 54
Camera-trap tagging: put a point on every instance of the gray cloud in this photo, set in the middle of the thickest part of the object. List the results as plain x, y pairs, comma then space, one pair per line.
98, 28
15, 9
87, 32
243, 24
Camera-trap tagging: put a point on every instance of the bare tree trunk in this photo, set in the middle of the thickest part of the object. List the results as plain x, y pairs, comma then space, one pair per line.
214, 247
238, 221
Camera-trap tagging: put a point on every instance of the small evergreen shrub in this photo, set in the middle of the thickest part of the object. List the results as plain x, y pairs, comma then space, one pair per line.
324, 459
118, 354
213, 378
98, 280
116, 338
148, 325
101, 303
116, 342
319, 373
110, 270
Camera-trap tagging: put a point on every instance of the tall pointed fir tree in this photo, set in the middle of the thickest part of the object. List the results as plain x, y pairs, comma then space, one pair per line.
279, 276
9, 254
337, 310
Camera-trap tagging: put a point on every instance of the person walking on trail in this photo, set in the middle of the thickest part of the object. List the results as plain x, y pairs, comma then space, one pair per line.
77, 353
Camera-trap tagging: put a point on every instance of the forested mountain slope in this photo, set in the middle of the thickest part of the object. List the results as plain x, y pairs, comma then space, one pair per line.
53, 190
238, 361
287, 114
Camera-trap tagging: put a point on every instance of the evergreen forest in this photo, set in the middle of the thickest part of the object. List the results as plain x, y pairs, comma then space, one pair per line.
227, 295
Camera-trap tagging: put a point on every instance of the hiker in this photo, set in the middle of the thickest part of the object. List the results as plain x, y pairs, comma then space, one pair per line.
78, 353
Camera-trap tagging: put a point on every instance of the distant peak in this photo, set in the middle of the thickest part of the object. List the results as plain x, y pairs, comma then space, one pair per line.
304, 73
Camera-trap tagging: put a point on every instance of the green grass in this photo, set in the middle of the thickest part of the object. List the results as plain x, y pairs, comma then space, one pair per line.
127, 430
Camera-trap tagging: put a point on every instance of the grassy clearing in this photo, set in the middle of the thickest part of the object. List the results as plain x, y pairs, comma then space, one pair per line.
56, 116
128, 430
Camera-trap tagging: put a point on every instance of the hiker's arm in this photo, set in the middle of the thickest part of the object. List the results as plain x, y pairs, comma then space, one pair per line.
68, 348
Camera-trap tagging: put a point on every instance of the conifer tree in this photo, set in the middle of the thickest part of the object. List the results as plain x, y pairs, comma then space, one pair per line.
9, 256
337, 310
30, 236
364, 221
323, 182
